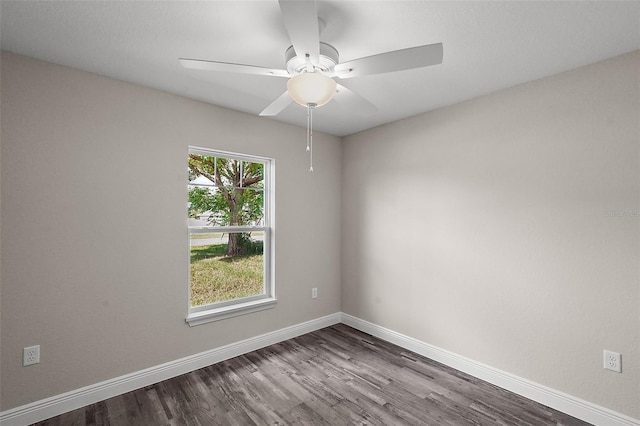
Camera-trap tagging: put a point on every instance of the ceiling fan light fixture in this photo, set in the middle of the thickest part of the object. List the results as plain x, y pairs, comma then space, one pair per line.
311, 88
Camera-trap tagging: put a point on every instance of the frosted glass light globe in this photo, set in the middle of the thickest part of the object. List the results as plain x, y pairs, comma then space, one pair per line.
311, 88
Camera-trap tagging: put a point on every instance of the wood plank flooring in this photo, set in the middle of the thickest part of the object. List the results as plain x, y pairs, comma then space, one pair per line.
334, 376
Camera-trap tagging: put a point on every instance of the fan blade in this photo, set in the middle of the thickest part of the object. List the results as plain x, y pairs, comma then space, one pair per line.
353, 101
397, 60
301, 20
278, 105
198, 64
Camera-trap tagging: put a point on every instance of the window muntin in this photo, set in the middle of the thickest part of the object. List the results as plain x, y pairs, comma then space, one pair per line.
230, 216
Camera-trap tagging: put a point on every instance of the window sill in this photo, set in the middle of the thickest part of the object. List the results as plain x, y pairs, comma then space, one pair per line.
217, 314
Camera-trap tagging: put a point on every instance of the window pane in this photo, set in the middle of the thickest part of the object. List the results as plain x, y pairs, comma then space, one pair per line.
253, 174
226, 266
225, 192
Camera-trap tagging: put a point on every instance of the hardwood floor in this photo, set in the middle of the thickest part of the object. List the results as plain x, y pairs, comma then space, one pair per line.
334, 376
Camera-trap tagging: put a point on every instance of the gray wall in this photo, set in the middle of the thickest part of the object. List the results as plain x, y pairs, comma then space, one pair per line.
94, 238
483, 229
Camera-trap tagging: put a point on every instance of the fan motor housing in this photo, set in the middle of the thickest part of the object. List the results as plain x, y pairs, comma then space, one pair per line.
328, 60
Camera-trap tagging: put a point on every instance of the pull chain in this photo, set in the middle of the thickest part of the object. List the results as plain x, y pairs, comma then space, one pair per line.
310, 134
311, 139
308, 124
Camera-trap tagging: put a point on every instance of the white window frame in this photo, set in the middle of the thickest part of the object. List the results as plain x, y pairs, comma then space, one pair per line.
230, 308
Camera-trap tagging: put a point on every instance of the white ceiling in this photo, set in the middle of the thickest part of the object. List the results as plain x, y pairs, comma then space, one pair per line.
487, 46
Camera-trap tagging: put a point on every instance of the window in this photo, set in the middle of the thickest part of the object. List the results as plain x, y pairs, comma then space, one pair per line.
230, 214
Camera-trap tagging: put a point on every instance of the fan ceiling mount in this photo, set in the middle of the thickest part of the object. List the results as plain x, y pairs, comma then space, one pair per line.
317, 63
327, 60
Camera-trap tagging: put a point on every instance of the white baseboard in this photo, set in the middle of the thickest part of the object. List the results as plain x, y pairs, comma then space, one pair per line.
568, 404
59, 404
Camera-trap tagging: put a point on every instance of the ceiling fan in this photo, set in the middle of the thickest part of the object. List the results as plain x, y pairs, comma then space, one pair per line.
311, 64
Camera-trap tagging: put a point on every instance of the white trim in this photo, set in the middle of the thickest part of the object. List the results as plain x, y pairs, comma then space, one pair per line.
59, 404
560, 401
211, 152
231, 310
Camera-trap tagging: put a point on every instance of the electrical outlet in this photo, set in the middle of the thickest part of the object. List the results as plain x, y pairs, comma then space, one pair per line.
613, 361
314, 292
31, 355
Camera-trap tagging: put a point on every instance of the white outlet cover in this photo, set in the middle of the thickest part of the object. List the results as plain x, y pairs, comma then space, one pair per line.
612, 361
31, 355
